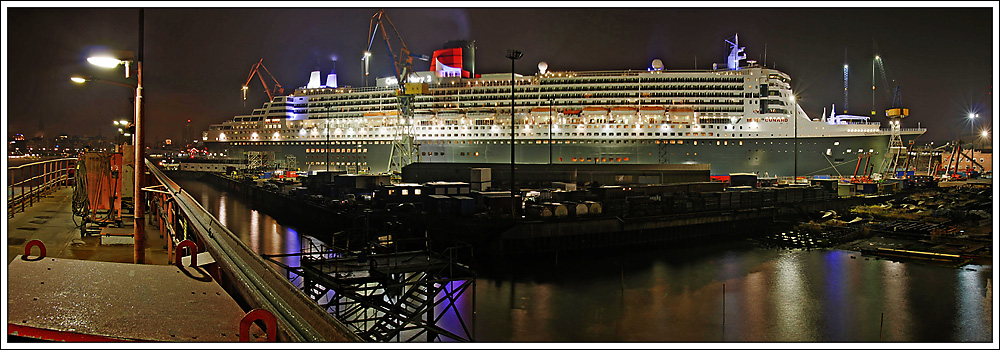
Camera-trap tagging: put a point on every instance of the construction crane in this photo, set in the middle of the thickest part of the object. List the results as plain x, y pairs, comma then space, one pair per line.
403, 150
402, 60
846, 70
892, 95
271, 92
896, 155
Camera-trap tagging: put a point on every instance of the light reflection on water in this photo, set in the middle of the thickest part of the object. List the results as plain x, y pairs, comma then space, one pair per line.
897, 309
675, 294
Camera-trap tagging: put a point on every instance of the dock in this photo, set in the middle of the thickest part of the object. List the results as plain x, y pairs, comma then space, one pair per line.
69, 285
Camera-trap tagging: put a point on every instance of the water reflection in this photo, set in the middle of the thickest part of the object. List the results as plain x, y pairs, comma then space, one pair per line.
222, 210
790, 299
893, 323
675, 294
974, 302
254, 241
836, 305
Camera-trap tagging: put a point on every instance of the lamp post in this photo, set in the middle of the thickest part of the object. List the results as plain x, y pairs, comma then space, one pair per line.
513, 55
550, 129
795, 151
972, 132
327, 141
139, 235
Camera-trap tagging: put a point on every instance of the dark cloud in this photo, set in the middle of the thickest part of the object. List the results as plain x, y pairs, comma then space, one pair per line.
196, 59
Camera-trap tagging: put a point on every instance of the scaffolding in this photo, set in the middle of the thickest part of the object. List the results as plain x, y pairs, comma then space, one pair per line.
391, 290
896, 156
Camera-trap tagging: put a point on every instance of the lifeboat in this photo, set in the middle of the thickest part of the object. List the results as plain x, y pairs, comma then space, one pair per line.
595, 110
482, 110
450, 114
374, 114
681, 114
646, 110
542, 110
622, 110
571, 111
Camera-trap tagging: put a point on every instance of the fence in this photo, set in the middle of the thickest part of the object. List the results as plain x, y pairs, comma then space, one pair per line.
29, 182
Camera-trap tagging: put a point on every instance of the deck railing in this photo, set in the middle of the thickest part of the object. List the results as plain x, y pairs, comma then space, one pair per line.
27, 183
242, 272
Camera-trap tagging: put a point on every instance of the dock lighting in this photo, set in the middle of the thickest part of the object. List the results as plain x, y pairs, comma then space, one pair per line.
106, 62
111, 62
972, 126
513, 55
78, 80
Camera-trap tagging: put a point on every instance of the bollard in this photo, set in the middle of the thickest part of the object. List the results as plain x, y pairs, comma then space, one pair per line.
192, 249
270, 324
35, 242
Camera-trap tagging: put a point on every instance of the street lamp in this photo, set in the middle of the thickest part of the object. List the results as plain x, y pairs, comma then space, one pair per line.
139, 235
972, 126
795, 126
513, 55
550, 129
82, 80
327, 140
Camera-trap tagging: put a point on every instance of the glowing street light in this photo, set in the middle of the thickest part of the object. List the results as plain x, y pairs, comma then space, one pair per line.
795, 126
972, 126
106, 61
81, 80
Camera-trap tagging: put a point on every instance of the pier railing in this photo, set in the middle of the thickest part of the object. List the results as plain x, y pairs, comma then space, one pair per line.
27, 183
241, 271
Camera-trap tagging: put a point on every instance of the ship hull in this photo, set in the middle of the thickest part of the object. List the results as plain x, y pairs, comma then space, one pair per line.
835, 156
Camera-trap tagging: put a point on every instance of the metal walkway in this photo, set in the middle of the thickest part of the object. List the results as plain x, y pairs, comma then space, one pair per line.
389, 295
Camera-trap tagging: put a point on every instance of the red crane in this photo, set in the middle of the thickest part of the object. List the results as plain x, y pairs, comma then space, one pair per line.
271, 92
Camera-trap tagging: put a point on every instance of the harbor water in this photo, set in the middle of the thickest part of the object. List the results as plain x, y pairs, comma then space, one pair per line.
705, 292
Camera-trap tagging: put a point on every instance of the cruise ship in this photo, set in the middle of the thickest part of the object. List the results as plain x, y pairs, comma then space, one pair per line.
738, 117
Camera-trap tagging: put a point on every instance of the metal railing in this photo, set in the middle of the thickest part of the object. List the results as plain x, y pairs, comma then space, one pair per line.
245, 274
27, 183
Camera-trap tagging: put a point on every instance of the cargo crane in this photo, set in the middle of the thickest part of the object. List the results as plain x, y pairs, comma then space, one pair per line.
403, 150
271, 92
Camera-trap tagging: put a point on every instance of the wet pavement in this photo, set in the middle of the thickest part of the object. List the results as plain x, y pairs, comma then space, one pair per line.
51, 221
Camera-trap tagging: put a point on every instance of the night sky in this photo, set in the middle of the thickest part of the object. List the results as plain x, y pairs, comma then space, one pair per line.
197, 59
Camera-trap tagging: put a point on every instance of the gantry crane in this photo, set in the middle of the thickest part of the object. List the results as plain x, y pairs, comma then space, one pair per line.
271, 92
403, 151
